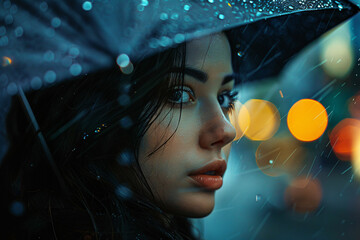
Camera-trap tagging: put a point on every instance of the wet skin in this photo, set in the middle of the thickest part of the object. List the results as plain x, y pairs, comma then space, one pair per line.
204, 133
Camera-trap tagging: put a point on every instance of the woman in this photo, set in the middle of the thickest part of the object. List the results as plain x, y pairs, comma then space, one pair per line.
137, 154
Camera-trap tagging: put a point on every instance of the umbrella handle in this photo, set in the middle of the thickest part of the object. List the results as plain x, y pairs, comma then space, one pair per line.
40, 136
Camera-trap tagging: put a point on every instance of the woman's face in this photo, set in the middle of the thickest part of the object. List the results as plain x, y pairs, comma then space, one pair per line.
203, 136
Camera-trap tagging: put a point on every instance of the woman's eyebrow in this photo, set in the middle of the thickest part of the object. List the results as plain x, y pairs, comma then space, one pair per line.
202, 76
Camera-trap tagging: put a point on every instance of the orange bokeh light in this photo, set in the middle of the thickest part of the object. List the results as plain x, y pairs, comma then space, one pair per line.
303, 195
234, 119
342, 138
259, 119
307, 120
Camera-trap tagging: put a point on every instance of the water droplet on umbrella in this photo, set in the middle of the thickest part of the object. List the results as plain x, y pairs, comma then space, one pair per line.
258, 197
12, 89
221, 16
174, 16
13, 9
75, 69
87, 6
144, 2
123, 60
165, 41
36, 83
291, 7
211, 1
56, 22
74, 52
50, 76
164, 16
9, 19
340, 7
17, 208
7, 4
43, 6
2, 31
187, 7
49, 56
19, 31
4, 41
179, 38
240, 54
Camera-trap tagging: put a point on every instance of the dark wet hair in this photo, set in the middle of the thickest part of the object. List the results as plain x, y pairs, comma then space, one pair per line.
93, 126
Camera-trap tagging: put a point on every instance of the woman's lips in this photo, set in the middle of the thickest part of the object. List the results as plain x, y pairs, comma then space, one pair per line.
213, 181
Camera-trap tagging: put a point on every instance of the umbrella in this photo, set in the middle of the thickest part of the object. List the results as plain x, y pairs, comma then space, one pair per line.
45, 42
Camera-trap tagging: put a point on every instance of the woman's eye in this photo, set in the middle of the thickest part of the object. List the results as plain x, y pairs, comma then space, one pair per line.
181, 95
226, 99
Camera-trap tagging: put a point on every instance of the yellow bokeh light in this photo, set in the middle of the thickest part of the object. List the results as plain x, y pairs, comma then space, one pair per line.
279, 156
234, 120
259, 119
356, 157
338, 57
6, 61
307, 120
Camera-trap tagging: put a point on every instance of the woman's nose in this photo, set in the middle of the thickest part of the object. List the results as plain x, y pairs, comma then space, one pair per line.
216, 131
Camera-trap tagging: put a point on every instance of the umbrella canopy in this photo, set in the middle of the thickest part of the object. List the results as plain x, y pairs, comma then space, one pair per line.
45, 42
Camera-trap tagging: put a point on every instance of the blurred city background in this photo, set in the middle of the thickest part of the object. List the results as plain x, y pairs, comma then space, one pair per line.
294, 169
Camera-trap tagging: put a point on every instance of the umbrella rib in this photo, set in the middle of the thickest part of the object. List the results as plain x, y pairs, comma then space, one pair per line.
44, 145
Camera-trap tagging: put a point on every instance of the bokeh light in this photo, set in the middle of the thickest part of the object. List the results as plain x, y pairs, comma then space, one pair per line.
356, 157
307, 120
338, 57
354, 106
342, 138
279, 156
264, 119
303, 195
234, 119
6, 61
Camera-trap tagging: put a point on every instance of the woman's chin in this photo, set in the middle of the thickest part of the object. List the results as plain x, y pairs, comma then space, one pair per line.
193, 205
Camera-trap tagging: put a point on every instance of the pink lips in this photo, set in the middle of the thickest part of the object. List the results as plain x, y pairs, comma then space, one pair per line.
213, 181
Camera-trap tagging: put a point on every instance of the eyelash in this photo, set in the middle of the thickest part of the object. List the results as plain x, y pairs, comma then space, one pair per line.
231, 96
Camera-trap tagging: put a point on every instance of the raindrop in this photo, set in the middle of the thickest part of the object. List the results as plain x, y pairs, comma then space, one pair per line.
123, 192
13, 9
126, 122
240, 54
56, 22
124, 100
36, 83
144, 3
125, 158
7, 4
87, 6
174, 16
19, 31
43, 6
271, 161
12, 89
258, 14
2, 31
258, 197
49, 56
75, 69
50, 76
165, 41
179, 38
140, 8
4, 41
211, 1
9, 19
123, 60
74, 52
221, 16
164, 16
17, 208
340, 7
187, 7
291, 7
